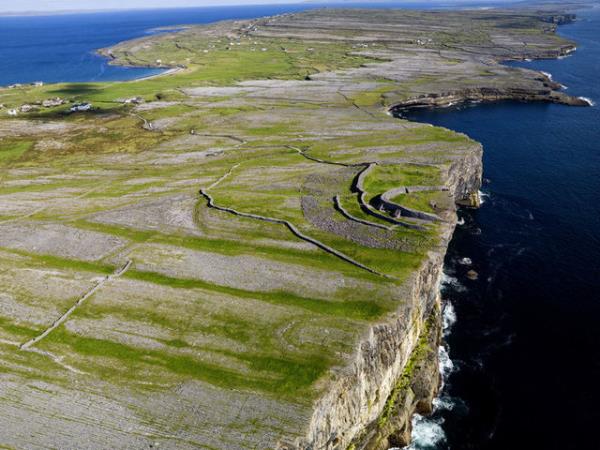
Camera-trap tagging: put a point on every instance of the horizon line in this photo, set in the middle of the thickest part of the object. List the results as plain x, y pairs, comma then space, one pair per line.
32, 13
50, 12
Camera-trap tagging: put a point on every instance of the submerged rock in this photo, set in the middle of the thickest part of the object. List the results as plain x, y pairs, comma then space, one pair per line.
472, 275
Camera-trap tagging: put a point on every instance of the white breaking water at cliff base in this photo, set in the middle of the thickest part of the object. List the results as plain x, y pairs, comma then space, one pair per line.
453, 283
427, 432
448, 317
482, 197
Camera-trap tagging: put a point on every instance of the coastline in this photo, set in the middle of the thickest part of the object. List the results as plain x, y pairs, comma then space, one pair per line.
167, 72
393, 369
429, 430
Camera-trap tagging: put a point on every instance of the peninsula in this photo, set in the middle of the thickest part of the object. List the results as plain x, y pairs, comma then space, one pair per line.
245, 252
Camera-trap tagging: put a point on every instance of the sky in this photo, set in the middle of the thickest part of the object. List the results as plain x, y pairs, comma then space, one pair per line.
32, 6
77, 5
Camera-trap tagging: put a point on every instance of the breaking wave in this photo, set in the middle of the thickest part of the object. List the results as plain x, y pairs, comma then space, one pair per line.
449, 317
482, 197
588, 100
465, 261
548, 74
453, 283
427, 434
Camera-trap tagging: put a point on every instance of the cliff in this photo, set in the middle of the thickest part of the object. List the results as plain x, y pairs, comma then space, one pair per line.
395, 371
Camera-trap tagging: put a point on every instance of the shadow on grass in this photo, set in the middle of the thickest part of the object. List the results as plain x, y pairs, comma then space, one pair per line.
64, 113
77, 89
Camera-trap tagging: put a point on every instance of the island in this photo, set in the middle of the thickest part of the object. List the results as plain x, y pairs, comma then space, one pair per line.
246, 251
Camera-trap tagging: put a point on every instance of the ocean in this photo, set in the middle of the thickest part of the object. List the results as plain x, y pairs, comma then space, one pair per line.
525, 347
523, 355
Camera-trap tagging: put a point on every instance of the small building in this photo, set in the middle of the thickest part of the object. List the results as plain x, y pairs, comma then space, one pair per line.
80, 107
38, 83
52, 102
133, 101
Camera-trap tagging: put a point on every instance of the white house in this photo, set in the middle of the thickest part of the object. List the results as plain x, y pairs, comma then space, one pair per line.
79, 107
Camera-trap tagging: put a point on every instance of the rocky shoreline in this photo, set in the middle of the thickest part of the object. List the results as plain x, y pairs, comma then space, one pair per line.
487, 96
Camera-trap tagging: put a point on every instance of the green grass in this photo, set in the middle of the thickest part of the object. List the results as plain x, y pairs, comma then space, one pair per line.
65, 263
219, 67
285, 376
383, 178
422, 201
21, 332
354, 309
12, 150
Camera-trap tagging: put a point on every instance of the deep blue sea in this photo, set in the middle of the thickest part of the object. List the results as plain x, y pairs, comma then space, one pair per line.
526, 342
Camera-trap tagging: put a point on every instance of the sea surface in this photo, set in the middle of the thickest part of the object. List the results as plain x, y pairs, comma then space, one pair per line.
524, 350
523, 358
63, 47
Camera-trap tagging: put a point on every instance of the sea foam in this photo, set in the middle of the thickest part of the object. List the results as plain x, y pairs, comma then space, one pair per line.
548, 74
588, 100
482, 197
453, 283
448, 317
427, 434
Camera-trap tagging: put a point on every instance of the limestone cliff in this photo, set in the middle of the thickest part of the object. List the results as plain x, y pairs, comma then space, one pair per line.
395, 369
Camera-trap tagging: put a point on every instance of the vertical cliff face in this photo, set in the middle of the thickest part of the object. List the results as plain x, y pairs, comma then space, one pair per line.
395, 369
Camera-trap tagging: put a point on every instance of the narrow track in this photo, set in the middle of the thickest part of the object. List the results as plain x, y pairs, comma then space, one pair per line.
62, 319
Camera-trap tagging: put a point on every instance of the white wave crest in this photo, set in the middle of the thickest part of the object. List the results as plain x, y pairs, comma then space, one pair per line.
446, 364
452, 282
448, 316
444, 402
588, 100
548, 74
482, 197
460, 221
465, 261
426, 433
